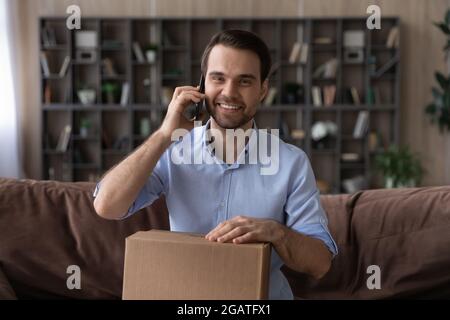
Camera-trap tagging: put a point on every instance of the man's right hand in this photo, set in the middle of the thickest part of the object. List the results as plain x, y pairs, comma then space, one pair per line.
181, 99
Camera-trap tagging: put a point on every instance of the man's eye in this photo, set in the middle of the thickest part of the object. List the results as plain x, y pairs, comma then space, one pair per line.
246, 82
217, 79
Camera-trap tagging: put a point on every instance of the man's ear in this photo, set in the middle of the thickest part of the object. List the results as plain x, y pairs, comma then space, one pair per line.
264, 89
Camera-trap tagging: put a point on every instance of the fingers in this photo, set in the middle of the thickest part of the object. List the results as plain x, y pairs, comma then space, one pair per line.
231, 229
178, 90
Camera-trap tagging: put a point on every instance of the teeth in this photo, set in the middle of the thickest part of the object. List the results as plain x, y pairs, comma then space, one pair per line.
229, 106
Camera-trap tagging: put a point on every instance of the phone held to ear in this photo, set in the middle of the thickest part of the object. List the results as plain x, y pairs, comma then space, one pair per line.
199, 105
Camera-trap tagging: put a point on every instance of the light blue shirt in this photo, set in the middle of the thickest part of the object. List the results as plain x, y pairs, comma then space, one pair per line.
200, 196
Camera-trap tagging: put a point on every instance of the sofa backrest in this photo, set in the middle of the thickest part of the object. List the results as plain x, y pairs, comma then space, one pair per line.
46, 226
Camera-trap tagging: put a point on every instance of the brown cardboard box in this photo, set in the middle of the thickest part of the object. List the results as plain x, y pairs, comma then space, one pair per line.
174, 265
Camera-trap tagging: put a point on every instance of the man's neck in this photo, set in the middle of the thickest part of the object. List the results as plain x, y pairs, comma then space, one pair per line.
223, 137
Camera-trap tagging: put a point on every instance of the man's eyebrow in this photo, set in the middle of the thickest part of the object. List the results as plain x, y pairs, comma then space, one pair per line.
244, 75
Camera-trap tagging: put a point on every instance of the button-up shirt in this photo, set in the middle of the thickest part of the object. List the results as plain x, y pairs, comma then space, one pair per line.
201, 194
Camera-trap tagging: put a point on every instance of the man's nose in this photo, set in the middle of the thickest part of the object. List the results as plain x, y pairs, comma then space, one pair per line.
230, 89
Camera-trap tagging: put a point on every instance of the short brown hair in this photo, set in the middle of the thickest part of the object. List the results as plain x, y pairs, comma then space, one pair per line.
240, 39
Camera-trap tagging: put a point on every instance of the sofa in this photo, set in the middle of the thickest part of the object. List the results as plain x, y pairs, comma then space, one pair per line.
47, 226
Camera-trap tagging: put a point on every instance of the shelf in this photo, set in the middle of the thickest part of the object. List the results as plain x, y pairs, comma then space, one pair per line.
283, 107
382, 47
174, 48
56, 152
144, 64
85, 166
178, 63
53, 77
114, 152
324, 151
324, 47
351, 137
83, 63
121, 77
87, 138
352, 165
59, 47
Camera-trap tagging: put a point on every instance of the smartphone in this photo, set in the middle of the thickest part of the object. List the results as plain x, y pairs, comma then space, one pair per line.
199, 105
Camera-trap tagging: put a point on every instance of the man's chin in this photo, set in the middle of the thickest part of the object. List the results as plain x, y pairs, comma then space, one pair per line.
229, 123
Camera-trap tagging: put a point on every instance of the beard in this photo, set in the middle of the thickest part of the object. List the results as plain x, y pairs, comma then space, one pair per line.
229, 121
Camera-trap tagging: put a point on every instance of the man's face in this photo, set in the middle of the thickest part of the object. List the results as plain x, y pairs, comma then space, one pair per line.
233, 86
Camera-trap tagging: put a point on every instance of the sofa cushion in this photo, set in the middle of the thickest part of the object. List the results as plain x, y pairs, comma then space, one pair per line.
46, 226
405, 232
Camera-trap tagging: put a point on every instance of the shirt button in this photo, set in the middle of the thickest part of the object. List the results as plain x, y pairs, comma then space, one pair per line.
222, 204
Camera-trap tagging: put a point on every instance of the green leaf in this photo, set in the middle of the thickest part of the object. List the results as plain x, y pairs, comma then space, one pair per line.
442, 80
444, 28
437, 97
447, 17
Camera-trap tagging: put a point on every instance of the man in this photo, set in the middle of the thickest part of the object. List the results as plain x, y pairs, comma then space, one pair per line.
229, 201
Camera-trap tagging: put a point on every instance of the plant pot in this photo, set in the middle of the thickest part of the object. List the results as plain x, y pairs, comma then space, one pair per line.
86, 96
389, 182
110, 97
151, 56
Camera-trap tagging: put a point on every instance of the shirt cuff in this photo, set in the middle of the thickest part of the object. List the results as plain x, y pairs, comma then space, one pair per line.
318, 231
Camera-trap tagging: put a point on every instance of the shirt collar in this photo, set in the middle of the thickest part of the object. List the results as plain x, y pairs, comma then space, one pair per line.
207, 139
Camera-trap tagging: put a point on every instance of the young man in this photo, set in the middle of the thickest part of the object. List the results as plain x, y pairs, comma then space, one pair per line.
224, 197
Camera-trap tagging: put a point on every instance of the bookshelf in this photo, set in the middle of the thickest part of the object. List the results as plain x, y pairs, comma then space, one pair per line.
330, 84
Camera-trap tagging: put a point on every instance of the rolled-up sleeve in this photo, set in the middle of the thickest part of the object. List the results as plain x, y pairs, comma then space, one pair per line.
304, 213
155, 186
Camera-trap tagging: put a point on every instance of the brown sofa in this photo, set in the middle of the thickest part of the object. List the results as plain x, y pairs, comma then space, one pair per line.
45, 226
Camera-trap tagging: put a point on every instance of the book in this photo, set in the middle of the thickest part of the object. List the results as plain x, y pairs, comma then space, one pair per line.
48, 37
125, 94
393, 38
47, 94
389, 64
64, 66
270, 98
323, 40
138, 52
361, 124
304, 53
295, 52
108, 68
316, 96
44, 64
64, 138
355, 95
329, 93
350, 157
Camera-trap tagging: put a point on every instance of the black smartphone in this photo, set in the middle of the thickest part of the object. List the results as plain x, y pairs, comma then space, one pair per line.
199, 105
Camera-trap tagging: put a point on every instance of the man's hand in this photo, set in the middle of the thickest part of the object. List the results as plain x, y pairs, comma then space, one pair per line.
243, 229
181, 99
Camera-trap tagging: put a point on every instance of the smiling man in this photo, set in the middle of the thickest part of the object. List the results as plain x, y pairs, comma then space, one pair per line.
226, 198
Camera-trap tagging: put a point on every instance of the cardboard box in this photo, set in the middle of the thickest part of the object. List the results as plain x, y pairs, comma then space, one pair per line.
173, 265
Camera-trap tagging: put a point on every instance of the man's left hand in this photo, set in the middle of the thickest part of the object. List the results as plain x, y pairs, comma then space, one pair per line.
243, 229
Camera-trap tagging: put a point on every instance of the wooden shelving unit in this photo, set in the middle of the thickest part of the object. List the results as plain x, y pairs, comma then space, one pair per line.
115, 129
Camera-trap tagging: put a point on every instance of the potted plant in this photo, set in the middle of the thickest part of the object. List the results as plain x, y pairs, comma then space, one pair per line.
85, 125
110, 89
86, 94
400, 168
150, 52
439, 109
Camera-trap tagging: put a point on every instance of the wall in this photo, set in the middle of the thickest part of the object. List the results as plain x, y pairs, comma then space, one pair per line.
421, 55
